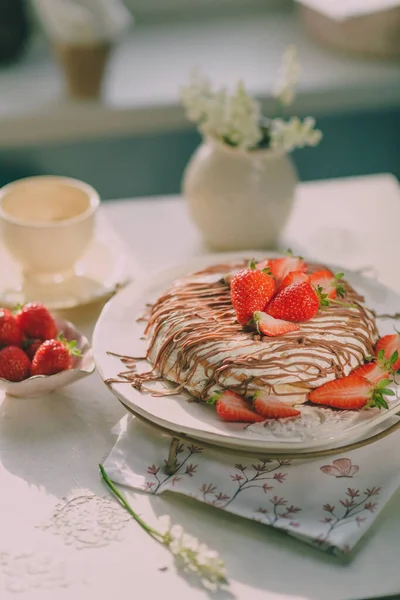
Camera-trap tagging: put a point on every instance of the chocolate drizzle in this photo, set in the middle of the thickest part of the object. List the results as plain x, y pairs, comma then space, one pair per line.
196, 342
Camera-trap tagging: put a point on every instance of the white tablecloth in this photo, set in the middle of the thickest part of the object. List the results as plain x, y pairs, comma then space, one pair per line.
62, 536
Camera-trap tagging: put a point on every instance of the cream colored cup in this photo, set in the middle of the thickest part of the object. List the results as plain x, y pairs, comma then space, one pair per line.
47, 222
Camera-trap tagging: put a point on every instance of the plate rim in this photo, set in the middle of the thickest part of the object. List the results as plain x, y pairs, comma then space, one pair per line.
171, 272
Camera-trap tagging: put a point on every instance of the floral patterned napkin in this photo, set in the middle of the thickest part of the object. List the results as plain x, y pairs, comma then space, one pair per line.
329, 502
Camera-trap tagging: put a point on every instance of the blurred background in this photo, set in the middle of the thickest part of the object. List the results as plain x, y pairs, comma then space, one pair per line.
108, 111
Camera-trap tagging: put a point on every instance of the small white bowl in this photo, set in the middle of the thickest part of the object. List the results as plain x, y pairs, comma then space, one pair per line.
41, 385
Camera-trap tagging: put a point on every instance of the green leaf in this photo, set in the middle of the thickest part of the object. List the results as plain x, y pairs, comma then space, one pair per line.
214, 397
383, 383
252, 264
388, 392
381, 354
393, 358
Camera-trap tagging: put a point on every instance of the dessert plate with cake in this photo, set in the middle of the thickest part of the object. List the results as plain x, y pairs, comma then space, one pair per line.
254, 352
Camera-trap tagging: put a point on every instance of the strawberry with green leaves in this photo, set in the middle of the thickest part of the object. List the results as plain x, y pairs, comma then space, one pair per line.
381, 368
330, 284
390, 344
271, 327
54, 356
299, 302
251, 290
271, 407
352, 392
232, 407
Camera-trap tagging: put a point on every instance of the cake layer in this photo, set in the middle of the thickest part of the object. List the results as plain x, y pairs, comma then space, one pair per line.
195, 341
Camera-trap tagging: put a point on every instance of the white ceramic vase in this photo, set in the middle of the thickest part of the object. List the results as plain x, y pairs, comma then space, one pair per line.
239, 199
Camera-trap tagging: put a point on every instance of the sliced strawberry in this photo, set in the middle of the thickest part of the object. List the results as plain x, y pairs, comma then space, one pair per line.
270, 407
272, 327
329, 283
264, 264
232, 407
389, 344
372, 372
280, 267
293, 277
381, 368
352, 392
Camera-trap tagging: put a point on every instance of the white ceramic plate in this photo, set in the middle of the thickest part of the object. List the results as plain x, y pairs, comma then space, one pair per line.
118, 331
41, 385
102, 270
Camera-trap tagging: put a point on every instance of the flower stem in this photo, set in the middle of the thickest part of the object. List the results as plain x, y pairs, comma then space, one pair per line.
127, 506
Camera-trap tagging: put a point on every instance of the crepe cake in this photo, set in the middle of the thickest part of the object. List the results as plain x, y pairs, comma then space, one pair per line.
195, 341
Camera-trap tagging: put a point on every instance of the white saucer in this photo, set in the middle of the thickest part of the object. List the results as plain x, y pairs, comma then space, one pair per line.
105, 267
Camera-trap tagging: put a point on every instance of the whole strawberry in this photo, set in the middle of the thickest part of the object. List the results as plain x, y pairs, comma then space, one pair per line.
251, 290
31, 347
14, 364
10, 332
296, 302
35, 321
54, 356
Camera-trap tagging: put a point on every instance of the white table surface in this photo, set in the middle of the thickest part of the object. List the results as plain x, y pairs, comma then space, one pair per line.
51, 446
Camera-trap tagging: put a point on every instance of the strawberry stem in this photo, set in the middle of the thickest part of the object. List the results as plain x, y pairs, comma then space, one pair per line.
213, 399
70, 345
346, 304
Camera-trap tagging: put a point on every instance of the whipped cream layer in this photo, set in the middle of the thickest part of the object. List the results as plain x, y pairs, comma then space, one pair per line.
196, 342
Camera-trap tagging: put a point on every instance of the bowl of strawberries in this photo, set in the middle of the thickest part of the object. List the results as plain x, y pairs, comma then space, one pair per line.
39, 352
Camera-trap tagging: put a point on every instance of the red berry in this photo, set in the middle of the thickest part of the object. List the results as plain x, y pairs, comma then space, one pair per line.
389, 344
297, 302
232, 407
14, 364
31, 347
329, 283
35, 321
351, 392
272, 327
280, 267
271, 407
251, 290
293, 277
52, 357
10, 332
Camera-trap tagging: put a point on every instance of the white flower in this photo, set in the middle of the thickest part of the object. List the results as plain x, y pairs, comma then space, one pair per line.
164, 524
236, 118
232, 118
291, 134
194, 557
288, 77
195, 97
242, 125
